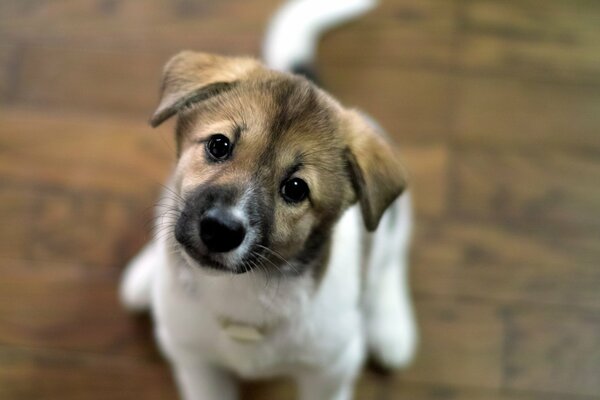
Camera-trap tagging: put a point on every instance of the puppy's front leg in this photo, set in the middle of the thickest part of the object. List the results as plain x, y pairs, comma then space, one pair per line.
336, 380
205, 382
137, 278
390, 323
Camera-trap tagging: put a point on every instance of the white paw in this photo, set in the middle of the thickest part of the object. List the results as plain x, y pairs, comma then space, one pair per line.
392, 340
133, 295
136, 281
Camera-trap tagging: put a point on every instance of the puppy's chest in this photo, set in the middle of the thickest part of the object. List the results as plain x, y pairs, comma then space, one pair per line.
254, 328
260, 327
255, 300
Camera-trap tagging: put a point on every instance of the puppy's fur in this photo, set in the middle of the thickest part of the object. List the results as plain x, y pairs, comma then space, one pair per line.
309, 290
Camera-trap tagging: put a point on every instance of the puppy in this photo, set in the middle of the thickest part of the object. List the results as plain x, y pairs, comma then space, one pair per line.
282, 237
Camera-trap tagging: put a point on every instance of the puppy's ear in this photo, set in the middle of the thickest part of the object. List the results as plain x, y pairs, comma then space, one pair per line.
190, 77
377, 174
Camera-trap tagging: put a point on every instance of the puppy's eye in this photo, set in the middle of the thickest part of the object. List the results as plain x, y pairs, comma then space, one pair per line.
294, 190
219, 147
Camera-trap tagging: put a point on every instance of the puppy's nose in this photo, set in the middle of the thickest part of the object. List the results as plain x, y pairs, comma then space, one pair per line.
221, 231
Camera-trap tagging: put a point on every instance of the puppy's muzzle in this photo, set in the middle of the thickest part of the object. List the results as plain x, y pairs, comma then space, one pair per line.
221, 231
216, 229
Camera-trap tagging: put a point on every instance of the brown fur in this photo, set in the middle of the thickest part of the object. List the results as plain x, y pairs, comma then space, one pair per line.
280, 125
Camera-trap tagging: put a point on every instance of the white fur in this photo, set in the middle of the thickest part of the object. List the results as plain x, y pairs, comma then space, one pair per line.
135, 290
294, 30
392, 340
319, 332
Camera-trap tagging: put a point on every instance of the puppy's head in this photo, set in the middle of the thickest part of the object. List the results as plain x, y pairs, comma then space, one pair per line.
267, 163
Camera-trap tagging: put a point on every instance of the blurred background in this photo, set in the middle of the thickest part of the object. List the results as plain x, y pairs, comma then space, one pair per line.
495, 104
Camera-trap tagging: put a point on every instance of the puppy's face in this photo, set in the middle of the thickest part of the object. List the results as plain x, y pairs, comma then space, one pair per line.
266, 165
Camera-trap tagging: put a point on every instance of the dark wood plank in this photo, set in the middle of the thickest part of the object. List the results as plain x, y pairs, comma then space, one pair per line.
369, 386
84, 153
153, 24
376, 387
84, 193
399, 390
406, 32
27, 373
56, 225
8, 70
504, 264
556, 41
498, 112
413, 106
535, 349
281, 389
461, 344
428, 168
554, 191
110, 81
71, 307
553, 350
17, 212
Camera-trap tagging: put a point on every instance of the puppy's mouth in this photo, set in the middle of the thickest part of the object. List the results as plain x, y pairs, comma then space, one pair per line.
209, 261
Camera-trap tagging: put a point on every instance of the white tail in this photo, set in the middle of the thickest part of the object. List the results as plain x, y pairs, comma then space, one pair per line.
295, 29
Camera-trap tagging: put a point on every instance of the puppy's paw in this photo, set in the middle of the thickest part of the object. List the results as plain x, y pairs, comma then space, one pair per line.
134, 290
392, 340
134, 294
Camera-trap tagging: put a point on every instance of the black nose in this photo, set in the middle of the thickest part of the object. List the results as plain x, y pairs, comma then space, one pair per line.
221, 231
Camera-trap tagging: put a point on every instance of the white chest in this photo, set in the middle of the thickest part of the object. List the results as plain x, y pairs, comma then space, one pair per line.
291, 321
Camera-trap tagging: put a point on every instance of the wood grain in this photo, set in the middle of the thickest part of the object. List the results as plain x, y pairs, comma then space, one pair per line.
428, 183
549, 40
69, 307
397, 33
8, 67
555, 189
29, 373
60, 78
527, 114
84, 153
454, 330
554, 351
484, 261
413, 106
139, 24
77, 189
54, 225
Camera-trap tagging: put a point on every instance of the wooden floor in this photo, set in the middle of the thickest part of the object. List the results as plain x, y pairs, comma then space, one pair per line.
496, 105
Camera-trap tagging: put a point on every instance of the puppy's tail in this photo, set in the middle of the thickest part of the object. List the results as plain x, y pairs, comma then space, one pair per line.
294, 31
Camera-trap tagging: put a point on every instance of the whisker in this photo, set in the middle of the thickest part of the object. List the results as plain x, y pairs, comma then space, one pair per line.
252, 272
270, 261
177, 195
279, 256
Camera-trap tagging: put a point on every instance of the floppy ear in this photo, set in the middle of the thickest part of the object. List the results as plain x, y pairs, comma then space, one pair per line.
377, 174
190, 77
